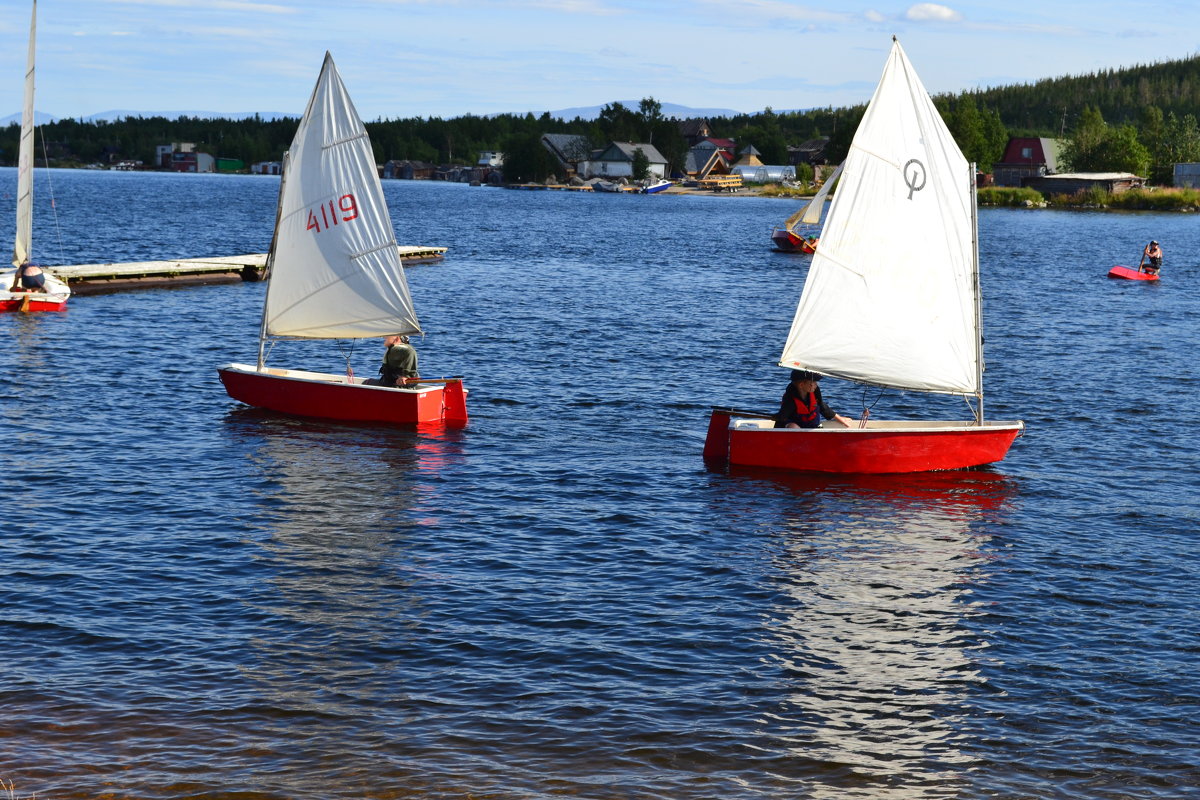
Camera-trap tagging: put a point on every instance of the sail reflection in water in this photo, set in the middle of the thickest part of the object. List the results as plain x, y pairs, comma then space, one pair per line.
872, 635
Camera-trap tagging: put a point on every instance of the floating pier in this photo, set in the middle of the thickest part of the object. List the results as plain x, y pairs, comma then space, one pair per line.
100, 278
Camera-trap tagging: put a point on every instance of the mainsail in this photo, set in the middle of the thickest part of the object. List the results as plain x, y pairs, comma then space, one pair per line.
23, 239
335, 271
891, 294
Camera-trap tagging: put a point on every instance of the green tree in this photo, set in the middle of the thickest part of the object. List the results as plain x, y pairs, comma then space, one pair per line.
641, 165
1082, 149
526, 160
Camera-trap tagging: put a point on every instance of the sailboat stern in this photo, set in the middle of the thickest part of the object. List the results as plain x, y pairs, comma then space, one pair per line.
716, 443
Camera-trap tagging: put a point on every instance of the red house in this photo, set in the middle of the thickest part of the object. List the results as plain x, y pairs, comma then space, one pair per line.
1024, 158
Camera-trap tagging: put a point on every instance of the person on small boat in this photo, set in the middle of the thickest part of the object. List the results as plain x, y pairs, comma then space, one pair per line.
399, 365
1152, 253
28, 278
802, 405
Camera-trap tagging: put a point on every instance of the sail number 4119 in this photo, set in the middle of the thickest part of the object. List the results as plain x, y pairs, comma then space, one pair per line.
325, 216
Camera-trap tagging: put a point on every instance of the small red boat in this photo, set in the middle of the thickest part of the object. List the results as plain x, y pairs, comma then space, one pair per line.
890, 299
328, 396
1131, 274
54, 295
54, 298
335, 273
791, 241
788, 238
750, 439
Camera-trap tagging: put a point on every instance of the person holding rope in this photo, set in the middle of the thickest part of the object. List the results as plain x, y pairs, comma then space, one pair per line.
802, 405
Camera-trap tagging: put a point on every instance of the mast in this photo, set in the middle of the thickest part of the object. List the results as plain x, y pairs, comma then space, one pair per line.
23, 238
270, 266
978, 291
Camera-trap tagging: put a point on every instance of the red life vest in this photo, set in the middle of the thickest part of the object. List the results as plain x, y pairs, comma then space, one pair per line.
807, 411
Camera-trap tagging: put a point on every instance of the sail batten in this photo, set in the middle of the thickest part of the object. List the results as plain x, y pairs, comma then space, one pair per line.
890, 297
336, 271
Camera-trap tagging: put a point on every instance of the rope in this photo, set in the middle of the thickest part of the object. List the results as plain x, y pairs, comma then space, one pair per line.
53, 205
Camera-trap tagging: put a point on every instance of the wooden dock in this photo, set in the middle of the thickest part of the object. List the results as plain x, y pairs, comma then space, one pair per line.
99, 278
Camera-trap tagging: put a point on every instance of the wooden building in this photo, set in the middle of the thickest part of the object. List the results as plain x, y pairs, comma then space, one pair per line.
1026, 157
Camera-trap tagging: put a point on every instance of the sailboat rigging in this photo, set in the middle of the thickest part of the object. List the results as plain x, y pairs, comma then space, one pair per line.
891, 299
335, 273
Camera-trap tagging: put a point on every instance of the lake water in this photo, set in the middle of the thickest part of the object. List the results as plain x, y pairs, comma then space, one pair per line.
200, 600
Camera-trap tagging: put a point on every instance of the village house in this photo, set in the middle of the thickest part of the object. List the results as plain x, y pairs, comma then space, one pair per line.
1074, 182
616, 161
409, 170
1026, 157
694, 131
708, 158
811, 152
572, 152
183, 157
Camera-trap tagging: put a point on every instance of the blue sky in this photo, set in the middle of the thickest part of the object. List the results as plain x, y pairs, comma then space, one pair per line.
405, 58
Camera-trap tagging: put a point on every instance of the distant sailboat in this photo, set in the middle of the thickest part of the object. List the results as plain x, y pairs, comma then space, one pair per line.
891, 299
804, 240
53, 295
335, 273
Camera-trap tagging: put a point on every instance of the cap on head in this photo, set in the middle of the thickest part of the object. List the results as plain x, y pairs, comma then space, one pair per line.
804, 375
1153, 242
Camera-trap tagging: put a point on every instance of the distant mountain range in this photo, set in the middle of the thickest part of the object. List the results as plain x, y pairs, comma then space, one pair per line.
583, 112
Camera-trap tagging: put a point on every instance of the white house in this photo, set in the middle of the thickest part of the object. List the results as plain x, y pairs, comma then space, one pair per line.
617, 161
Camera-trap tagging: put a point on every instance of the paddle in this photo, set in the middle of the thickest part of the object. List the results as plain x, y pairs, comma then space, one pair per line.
1141, 261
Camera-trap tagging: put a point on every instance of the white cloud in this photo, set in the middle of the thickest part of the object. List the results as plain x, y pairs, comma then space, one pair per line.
932, 12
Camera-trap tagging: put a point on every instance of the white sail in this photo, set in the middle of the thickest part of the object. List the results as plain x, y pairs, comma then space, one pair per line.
811, 213
890, 297
335, 272
23, 239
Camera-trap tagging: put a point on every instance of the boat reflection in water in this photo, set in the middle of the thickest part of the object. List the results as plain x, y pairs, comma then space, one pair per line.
874, 636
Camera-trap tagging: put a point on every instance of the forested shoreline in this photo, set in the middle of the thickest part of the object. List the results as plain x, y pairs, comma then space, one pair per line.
1140, 119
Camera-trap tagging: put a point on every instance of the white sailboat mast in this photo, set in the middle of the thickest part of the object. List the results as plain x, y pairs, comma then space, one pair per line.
978, 289
23, 238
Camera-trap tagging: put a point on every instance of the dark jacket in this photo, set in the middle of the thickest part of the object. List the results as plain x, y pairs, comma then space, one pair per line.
804, 411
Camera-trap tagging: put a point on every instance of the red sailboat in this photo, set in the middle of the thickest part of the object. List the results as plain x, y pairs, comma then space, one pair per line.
54, 293
891, 299
800, 231
335, 273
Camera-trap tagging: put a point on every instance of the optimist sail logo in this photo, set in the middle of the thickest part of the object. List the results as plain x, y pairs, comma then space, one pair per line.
914, 176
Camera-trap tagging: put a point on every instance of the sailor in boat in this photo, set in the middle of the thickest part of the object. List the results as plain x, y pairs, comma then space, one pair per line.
1154, 255
399, 365
28, 278
802, 405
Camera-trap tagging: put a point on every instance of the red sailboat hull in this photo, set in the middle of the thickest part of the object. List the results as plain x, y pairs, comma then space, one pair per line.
792, 242
315, 394
1131, 274
881, 448
16, 302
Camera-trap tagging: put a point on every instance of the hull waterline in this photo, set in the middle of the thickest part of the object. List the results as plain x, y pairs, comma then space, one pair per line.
883, 447
326, 396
